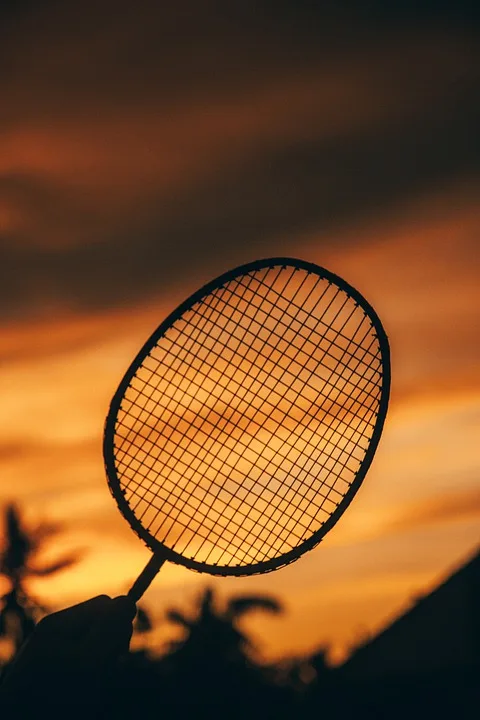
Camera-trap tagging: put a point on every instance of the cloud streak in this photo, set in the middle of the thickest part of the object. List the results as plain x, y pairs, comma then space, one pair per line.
144, 151
452, 507
145, 161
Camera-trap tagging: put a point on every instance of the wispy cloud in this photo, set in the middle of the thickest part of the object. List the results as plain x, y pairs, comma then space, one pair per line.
148, 159
145, 150
451, 507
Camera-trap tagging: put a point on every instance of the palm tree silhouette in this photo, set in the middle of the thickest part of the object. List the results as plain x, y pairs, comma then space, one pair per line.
19, 611
215, 632
213, 660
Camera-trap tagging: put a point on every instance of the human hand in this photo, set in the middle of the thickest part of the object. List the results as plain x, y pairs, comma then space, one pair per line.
70, 653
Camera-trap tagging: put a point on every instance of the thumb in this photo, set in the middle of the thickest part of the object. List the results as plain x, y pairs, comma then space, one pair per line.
109, 636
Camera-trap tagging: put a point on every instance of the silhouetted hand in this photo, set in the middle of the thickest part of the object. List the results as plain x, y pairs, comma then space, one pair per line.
68, 658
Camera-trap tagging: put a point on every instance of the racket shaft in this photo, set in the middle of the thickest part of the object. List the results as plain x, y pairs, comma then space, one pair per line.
146, 576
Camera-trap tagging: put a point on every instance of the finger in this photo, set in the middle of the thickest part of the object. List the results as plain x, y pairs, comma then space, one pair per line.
75, 619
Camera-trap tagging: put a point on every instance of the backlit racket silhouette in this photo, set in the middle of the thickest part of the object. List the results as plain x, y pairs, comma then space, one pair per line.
247, 422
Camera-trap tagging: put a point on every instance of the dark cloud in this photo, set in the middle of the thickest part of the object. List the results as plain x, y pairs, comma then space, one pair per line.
139, 146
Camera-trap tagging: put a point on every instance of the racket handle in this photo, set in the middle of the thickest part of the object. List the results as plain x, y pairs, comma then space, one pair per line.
146, 577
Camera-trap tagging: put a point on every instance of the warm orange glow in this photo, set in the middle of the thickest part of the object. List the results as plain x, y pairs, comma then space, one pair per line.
422, 488
128, 179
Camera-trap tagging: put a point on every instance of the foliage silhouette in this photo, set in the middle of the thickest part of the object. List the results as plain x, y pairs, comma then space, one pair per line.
215, 630
143, 622
211, 671
19, 610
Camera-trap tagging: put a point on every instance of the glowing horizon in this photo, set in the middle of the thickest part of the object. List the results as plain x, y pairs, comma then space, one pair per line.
143, 157
400, 497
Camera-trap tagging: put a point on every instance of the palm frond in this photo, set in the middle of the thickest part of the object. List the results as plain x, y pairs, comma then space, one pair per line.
18, 543
179, 619
45, 530
143, 623
3, 623
207, 603
247, 603
54, 567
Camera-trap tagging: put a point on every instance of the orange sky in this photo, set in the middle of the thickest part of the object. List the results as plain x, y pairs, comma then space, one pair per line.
130, 175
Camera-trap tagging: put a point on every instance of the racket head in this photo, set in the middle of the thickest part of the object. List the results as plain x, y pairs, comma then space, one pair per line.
123, 476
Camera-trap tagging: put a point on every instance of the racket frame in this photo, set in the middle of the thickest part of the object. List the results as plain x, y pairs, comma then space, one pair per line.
166, 553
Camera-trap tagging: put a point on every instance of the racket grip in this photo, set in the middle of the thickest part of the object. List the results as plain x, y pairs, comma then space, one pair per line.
146, 576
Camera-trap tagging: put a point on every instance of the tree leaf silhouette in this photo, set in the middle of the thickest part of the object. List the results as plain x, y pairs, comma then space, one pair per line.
241, 605
3, 623
19, 545
206, 604
19, 610
179, 619
53, 567
143, 623
213, 633
45, 530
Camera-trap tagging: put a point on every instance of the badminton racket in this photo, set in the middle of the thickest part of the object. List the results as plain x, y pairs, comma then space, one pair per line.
246, 424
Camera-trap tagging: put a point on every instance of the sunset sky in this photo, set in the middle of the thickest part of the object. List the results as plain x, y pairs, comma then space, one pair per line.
142, 153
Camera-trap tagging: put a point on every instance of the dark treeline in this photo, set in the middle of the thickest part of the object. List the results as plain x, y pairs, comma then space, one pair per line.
425, 665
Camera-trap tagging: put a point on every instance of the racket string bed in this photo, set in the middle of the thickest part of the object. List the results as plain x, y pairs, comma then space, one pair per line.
219, 428
301, 496
180, 417
277, 535
247, 446
189, 349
